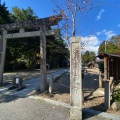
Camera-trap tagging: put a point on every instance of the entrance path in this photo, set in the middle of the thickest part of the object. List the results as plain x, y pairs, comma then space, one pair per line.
26, 75
29, 109
31, 85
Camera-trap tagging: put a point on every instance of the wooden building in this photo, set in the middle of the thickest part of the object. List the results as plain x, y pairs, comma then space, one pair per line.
111, 66
90, 65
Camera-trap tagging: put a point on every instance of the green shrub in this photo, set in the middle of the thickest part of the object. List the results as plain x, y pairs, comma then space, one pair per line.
116, 95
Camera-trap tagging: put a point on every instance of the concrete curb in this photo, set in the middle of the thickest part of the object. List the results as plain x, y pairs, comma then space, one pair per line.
85, 110
51, 101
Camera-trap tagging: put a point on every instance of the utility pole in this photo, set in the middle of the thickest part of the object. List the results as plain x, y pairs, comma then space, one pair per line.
105, 46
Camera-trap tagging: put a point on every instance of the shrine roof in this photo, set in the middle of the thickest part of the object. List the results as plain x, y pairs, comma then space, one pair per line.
102, 55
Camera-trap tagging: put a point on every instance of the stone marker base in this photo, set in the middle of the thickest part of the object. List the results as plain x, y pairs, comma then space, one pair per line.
115, 106
18, 88
23, 87
13, 87
75, 113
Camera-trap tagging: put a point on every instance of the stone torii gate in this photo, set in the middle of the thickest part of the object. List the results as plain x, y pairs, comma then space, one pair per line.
40, 25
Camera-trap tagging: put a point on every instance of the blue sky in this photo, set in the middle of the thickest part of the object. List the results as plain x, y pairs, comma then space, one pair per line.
100, 24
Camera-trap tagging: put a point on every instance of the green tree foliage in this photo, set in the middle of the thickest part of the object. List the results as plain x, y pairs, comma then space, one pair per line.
116, 41
116, 95
4, 14
28, 46
88, 56
101, 47
25, 52
23, 14
57, 54
14, 52
111, 47
92, 56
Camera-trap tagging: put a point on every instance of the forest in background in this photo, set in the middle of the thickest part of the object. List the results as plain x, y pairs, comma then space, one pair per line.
24, 53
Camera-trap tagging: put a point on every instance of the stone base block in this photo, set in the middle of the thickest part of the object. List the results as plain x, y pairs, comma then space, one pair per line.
75, 113
115, 106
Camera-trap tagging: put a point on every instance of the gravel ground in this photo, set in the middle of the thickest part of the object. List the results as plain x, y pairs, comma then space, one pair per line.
29, 109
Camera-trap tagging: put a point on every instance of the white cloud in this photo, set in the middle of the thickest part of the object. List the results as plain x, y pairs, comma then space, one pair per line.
108, 33
90, 43
119, 25
100, 14
98, 33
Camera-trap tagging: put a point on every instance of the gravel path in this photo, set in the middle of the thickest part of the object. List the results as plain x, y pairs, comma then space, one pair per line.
29, 109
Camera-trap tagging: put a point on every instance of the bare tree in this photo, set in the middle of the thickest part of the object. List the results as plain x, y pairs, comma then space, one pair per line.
73, 11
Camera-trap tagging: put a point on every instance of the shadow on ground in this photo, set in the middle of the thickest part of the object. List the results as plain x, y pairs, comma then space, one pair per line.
62, 92
7, 95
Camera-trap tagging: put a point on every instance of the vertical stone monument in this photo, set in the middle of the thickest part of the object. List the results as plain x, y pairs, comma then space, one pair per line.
75, 79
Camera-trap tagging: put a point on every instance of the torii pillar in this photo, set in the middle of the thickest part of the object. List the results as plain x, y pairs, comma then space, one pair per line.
43, 58
3, 41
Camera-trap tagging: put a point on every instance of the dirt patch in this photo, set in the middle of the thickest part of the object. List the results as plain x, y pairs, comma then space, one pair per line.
61, 90
93, 97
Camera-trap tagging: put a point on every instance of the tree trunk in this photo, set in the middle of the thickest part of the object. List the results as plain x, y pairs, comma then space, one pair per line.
14, 61
33, 64
28, 60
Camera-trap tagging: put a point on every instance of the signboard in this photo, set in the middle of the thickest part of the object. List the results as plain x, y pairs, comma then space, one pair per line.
17, 80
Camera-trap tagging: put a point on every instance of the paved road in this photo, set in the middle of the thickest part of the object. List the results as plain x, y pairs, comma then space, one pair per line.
29, 109
15, 105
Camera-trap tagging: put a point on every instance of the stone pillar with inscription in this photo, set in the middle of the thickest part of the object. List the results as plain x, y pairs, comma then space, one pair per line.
43, 58
75, 79
2, 55
107, 94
